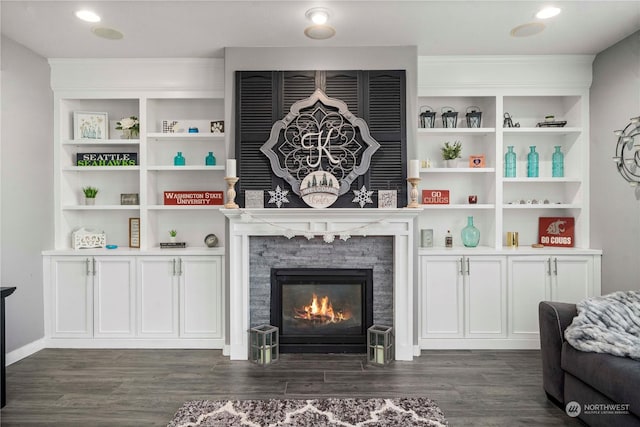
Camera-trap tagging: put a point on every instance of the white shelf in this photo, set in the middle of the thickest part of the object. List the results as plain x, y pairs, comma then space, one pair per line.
186, 168
457, 170
184, 135
460, 206
101, 207
541, 179
450, 131
184, 207
543, 206
101, 142
100, 168
544, 130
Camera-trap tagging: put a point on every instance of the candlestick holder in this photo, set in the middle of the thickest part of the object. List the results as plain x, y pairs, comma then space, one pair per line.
231, 192
413, 194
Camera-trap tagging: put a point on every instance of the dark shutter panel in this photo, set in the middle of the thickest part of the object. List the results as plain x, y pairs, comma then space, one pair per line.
387, 120
254, 117
296, 86
344, 85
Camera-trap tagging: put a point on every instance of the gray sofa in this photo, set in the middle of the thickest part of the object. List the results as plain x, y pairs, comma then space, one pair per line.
571, 375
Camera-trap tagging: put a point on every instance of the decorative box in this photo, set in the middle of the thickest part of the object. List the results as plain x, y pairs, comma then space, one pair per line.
86, 239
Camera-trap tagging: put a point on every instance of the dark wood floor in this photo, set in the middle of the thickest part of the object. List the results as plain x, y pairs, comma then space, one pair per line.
146, 387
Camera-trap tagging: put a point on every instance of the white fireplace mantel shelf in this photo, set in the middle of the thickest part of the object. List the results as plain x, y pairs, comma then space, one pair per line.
244, 223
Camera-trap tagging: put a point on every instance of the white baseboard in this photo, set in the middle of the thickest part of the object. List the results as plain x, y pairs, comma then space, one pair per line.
25, 351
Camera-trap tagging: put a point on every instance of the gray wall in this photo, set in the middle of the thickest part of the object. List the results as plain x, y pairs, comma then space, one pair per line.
615, 210
26, 173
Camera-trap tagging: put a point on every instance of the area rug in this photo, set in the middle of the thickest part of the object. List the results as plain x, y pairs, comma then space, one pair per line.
405, 412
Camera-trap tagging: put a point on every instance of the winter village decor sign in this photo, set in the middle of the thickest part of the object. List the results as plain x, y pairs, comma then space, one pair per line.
319, 148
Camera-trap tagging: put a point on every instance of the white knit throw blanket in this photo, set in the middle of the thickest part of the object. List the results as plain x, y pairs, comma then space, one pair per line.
608, 324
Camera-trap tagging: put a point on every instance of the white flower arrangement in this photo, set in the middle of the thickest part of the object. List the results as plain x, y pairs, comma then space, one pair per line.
131, 124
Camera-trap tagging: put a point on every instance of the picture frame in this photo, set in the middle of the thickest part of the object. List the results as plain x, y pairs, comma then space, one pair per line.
134, 232
426, 238
387, 199
476, 161
254, 199
90, 125
129, 199
217, 126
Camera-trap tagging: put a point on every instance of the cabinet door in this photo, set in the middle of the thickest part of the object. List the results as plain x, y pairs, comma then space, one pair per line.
529, 283
441, 297
72, 305
200, 297
485, 296
157, 296
114, 297
572, 278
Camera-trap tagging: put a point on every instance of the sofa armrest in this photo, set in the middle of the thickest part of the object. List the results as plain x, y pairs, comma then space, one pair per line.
554, 317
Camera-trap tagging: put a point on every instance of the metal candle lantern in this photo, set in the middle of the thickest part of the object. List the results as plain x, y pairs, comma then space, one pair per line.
474, 117
379, 345
427, 117
263, 344
449, 117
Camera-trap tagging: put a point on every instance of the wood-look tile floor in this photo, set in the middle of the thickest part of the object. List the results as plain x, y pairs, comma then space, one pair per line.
64, 387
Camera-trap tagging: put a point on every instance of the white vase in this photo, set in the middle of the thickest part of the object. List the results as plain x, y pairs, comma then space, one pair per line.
451, 163
172, 239
90, 201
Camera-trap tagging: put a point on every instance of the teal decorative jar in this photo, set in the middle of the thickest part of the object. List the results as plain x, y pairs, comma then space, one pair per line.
178, 160
210, 160
470, 234
532, 162
557, 163
510, 163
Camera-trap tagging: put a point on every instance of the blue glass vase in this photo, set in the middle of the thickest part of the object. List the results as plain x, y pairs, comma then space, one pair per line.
510, 163
532, 162
470, 234
210, 160
557, 163
178, 160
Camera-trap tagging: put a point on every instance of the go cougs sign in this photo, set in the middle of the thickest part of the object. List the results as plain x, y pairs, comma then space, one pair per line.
556, 231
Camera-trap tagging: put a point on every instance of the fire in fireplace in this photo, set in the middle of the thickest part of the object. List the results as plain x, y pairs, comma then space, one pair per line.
322, 310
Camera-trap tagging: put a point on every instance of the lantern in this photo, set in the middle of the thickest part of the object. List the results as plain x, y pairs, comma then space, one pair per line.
449, 117
379, 345
474, 117
427, 117
263, 344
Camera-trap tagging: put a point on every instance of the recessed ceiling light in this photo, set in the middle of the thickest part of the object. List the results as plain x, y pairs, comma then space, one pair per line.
548, 12
318, 15
107, 33
526, 30
87, 15
319, 32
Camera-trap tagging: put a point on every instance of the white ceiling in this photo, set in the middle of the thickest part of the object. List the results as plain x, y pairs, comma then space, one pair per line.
157, 28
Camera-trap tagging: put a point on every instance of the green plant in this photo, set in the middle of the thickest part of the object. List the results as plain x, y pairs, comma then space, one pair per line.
451, 151
90, 192
173, 233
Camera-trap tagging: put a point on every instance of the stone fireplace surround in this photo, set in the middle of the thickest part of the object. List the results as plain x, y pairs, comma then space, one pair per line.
243, 224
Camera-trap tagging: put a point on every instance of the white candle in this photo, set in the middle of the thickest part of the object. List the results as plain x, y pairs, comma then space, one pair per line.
265, 355
380, 354
231, 167
414, 168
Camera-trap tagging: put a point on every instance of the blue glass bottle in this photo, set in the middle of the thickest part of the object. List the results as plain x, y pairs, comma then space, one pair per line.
178, 160
470, 234
510, 163
557, 163
532, 162
210, 160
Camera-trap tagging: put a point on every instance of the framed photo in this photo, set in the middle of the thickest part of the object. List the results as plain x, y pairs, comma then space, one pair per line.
134, 232
129, 199
476, 161
387, 199
217, 126
90, 125
426, 237
254, 199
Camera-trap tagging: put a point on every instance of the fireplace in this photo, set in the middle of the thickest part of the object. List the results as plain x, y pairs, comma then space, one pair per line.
322, 310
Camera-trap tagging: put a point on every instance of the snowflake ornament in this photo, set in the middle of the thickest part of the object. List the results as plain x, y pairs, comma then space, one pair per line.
279, 196
328, 238
362, 196
289, 234
344, 236
309, 236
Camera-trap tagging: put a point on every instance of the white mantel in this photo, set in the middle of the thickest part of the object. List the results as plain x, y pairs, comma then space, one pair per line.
244, 223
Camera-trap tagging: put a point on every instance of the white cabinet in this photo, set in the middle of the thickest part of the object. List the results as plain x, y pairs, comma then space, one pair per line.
463, 296
92, 296
563, 278
180, 296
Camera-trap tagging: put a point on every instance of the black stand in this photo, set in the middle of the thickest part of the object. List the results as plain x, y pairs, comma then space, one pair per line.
4, 292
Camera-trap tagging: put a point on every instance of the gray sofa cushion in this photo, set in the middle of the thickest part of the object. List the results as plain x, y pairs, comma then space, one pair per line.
618, 378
